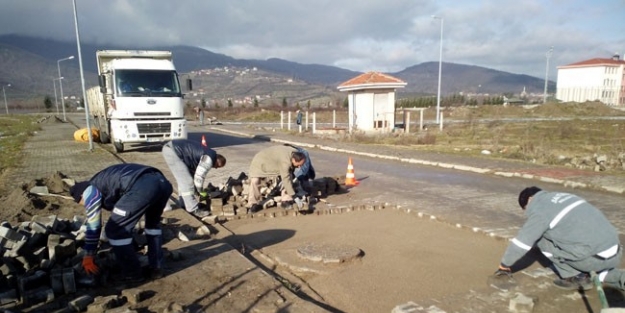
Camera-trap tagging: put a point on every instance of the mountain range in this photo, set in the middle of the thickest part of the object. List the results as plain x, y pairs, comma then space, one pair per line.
30, 65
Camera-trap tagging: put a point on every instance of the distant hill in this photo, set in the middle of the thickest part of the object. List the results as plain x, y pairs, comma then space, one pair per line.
423, 78
30, 64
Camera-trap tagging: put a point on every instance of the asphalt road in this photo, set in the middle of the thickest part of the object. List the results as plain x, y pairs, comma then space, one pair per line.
458, 197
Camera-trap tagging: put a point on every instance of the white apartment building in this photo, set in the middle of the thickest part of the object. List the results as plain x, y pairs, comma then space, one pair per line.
596, 79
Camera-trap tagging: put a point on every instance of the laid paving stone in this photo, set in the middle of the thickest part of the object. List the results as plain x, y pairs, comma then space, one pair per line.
328, 253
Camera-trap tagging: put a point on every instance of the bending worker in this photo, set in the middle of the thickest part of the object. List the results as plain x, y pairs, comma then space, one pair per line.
189, 162
276, 161
574, 235
128, 191
305, 173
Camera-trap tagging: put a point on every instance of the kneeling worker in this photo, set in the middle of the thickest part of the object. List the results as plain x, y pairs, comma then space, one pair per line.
189, 162
276, 161
573, 234
128, 191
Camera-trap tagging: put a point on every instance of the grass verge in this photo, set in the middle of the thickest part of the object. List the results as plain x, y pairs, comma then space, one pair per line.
14, 131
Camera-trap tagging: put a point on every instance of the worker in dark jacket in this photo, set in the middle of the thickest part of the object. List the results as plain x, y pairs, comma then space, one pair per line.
128, 191
304, 174
573, 234
189, 162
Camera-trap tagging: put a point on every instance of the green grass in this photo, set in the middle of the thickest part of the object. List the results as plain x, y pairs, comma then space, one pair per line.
14, 131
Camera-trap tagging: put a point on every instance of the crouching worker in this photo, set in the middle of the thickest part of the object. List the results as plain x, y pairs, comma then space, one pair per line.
573, 234
189, 162
304, 174
276, 161
128, 191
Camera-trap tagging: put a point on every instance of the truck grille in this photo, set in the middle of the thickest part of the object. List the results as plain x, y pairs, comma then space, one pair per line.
153, 128
152, 114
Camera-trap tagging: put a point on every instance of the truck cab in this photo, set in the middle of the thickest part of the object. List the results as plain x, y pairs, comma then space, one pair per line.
139, 98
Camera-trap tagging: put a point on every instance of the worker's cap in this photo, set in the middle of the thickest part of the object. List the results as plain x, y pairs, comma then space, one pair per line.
78, 189
525, 195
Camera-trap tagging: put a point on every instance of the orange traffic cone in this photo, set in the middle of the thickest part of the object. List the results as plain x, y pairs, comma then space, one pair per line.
204, 141
350, 177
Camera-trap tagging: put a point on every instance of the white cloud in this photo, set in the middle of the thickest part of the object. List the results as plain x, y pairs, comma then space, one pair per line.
358, 35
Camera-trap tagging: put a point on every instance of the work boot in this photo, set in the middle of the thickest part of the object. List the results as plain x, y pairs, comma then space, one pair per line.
155, 251
201, 213
127, 259
581, 281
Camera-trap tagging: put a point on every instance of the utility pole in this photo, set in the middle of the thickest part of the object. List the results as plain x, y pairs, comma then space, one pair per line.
82, 77
547, 74
440, 69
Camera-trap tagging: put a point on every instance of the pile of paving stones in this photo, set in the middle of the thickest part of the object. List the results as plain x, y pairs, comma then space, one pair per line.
40, 265
230, 199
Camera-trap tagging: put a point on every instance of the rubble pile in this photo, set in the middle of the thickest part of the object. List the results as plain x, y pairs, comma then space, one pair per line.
230, 199
40, 262
598, 162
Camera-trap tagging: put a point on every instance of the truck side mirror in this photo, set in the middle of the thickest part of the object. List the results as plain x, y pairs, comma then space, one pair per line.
189, 84
102, 83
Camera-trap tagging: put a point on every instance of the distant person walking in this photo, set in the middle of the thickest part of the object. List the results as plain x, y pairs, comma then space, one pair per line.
129, 191
189, 162
574, 235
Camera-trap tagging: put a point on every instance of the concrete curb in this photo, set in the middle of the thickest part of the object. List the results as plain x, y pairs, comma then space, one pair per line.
566, 183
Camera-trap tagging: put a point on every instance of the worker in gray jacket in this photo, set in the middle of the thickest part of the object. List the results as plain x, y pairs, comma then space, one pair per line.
189, 162
573, 234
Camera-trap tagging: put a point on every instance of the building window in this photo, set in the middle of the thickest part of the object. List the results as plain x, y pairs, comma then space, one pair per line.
380, 124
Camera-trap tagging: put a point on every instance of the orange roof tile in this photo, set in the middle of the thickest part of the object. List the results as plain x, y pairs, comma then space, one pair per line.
372, 78
595, 62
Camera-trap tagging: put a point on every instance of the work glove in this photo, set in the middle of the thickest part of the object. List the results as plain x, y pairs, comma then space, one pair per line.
203, 194
503, 271
89, 265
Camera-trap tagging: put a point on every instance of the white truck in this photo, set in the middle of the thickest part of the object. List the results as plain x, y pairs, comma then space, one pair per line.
139, 98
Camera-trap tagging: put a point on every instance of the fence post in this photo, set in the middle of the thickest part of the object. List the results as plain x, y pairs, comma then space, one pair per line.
289, 121
314, 122
281, 119
420, 120
441, 124
306, 120
407, 122
333, 118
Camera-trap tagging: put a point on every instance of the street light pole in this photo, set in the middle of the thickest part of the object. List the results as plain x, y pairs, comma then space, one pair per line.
82, 78
6, 105
58, 65
547, 74
56, 99
440, 69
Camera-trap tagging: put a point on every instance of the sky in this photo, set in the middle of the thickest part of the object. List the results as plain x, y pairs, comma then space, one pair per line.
361, 35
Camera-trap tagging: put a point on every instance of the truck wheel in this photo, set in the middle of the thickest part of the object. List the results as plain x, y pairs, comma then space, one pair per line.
104, 138
118, 146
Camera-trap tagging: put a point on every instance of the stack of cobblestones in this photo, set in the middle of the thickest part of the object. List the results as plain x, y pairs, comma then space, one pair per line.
230, 199
40, 265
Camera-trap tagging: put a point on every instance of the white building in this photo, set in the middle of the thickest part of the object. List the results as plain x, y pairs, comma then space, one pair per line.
593, 80
371, 98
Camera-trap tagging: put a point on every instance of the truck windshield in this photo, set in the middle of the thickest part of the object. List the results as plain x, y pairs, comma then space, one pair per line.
140, 83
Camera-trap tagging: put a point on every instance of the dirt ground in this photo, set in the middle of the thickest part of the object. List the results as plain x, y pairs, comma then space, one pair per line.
404, 258
19, 205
